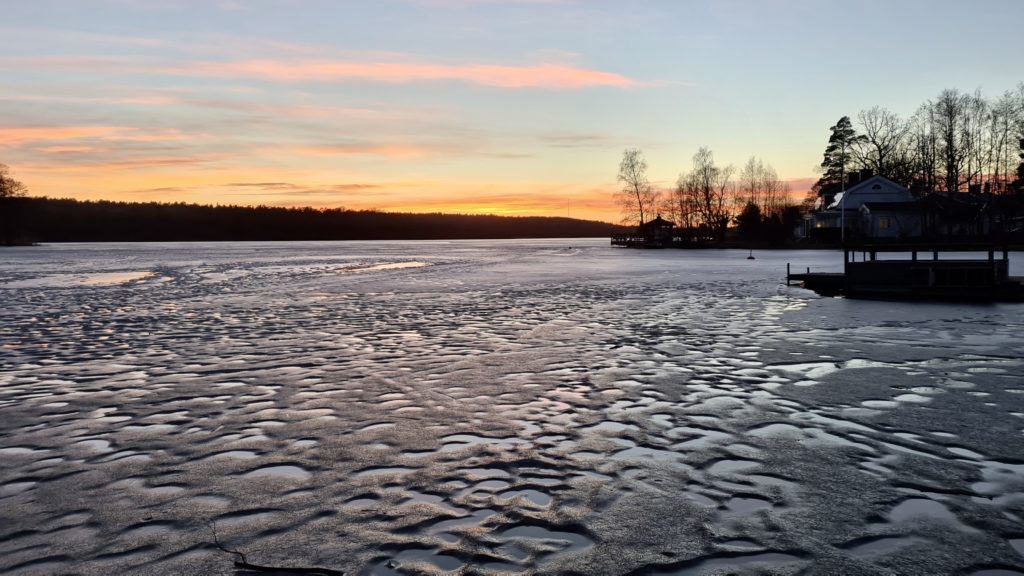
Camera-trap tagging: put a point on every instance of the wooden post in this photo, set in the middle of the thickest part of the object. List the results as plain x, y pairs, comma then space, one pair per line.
787, 273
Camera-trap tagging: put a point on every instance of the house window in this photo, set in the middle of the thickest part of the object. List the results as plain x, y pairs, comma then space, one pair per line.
883, 223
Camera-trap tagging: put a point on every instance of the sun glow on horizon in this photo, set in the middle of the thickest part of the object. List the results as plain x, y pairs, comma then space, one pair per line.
502, 107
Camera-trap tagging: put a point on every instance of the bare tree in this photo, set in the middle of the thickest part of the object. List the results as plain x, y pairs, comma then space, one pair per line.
759, 185
961, 140
9, 187
950, 115
883, 136
637, 198
1001, 142
775, 192
977, 114
923, 149
10, 209
709, 187
750, 178
675, 204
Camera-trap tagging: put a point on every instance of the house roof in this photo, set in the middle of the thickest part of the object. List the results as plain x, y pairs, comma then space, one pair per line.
660, 222
875, 189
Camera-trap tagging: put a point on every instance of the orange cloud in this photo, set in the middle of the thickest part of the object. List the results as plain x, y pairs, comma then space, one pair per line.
22, 135
102, 168
799, 187
25, 134
136, 135
70, 149
547, 76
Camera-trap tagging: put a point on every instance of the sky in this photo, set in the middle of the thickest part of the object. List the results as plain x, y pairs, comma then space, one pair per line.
517, 107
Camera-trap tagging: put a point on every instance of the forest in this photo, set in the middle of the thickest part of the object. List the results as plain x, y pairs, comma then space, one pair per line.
26, 219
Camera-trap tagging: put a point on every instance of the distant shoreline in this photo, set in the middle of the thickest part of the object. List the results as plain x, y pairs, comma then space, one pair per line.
35, 220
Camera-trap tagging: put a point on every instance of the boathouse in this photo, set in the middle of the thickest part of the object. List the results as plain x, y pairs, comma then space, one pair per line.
659, 230
916, 272
658, 233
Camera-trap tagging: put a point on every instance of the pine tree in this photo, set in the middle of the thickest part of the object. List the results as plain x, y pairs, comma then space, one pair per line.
838, 155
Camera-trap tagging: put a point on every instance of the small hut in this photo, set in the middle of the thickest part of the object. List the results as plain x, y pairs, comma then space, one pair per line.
658, 233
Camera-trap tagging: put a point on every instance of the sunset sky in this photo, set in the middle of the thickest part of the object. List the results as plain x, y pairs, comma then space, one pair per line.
497, 106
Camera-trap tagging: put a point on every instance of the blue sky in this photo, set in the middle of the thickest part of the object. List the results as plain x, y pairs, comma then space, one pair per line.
459, 105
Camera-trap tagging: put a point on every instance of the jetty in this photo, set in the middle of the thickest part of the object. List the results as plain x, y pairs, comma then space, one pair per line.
951, 272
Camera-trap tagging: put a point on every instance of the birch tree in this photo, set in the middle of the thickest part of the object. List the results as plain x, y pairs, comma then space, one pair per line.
637, 198
709, 186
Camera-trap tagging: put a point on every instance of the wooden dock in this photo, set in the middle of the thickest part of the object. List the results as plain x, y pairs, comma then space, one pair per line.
918, 278
824, 283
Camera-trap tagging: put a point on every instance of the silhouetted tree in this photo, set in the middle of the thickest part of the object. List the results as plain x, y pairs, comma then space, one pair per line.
748, 223
838, 156
1001, 140
1019, 183
882, 145
749, 185
9, 187
675, 205
708, 189
950, 113
759, 184
637, 198
12, 192
781, 227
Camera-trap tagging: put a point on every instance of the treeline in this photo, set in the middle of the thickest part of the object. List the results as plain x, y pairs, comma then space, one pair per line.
63, 220
710, 198
957, 142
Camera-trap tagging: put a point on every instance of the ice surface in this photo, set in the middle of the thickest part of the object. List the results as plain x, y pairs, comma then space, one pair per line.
528, 407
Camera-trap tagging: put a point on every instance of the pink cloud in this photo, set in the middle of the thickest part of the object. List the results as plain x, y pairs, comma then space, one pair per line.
552, 76
389, 69
141, 163
402, 152
799, 187
21, 135
18, 135
70, 149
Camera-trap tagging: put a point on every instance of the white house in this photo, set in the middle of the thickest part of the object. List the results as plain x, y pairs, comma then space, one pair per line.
845, 209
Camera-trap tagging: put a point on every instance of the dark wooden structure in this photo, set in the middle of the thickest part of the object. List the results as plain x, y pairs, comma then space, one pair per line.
657, 233
923, 276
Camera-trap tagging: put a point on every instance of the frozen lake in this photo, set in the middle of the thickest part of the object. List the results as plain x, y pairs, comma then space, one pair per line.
493, 407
